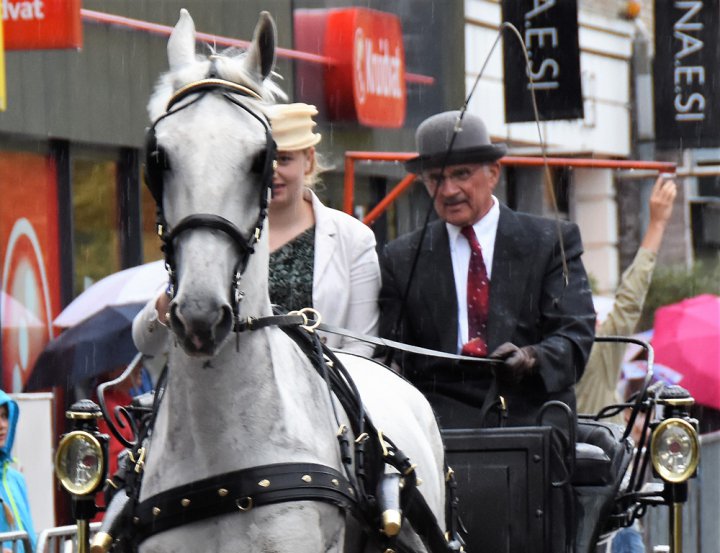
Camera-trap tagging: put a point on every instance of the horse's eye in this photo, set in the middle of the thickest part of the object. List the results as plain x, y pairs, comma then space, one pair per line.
160, 159
258, 164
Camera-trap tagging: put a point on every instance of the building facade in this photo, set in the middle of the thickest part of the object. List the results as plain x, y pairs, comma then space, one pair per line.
74, 207
610, 206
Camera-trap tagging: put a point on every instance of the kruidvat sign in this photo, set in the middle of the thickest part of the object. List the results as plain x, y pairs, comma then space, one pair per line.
686, 73
549, 29
366, 82
41, 24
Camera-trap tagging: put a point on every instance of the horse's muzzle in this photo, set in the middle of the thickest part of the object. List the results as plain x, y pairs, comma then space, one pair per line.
200, 327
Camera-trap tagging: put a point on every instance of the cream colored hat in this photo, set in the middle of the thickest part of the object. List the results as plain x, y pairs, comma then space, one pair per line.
292, 126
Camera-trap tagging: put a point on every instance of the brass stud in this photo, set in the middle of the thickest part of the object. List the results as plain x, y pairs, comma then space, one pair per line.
185, 502
136, 520
222, 492
335, 482
351, 491
264, 483
307, 478
418, 481
156, 511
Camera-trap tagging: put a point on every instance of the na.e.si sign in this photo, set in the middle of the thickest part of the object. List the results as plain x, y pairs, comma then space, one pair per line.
367, 81
42, 24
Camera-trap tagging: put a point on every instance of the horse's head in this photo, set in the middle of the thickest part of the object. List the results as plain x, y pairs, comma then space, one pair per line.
209, 167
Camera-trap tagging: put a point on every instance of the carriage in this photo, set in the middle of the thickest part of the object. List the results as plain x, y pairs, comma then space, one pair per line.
260, 436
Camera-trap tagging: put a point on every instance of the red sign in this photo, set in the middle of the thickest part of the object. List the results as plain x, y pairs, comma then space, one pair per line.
42, 24
29, 278
364, 79
367, 82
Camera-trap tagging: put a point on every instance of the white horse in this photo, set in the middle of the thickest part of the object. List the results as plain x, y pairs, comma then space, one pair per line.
248, 399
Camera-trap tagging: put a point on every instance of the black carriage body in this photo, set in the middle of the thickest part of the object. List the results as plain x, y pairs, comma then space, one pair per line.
502, 476
505, 488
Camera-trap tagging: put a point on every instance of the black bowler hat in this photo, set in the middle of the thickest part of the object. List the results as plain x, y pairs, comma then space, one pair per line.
472, 143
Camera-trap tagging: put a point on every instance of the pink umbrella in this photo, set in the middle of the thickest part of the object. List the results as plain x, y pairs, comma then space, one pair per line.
686, 338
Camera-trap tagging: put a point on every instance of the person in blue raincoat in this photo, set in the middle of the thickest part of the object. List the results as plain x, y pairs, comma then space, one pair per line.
15, 512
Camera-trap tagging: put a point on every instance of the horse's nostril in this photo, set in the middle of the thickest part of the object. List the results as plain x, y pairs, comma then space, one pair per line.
226, 321
175, 321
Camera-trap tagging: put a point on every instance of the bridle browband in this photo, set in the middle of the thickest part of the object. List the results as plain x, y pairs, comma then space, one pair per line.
157, 164
211, 83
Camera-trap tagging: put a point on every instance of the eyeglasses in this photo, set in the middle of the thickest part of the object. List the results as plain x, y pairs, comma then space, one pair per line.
461, 174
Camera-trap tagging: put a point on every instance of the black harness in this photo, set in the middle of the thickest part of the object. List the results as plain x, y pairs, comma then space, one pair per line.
364, 460
241, 491
355, 492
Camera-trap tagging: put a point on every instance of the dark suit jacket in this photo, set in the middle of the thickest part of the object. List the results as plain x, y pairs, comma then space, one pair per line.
530, 304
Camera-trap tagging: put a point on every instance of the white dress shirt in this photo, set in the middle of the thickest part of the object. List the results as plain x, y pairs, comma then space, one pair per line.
485, 230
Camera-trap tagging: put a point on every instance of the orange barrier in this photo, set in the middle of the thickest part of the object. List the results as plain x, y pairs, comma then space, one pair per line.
517, 161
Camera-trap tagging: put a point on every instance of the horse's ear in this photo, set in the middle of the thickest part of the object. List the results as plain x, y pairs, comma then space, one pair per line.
261, 54
181, 46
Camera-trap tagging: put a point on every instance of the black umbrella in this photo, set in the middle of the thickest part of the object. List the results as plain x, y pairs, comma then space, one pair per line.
94, 346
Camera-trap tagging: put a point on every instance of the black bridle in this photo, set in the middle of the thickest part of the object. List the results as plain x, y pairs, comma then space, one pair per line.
157, 164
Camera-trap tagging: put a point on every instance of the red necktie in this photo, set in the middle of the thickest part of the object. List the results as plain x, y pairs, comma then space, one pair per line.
478, 298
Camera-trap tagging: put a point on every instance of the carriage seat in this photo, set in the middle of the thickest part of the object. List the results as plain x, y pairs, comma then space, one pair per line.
601, 462
600, 455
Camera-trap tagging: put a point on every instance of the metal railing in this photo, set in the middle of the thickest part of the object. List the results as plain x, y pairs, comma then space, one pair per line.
351, 157
16, 537
56, 540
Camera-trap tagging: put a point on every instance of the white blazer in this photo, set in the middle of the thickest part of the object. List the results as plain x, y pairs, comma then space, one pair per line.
346, 276
346, 283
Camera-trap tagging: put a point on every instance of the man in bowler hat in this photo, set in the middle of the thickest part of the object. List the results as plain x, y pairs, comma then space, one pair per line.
540, 323
489, 282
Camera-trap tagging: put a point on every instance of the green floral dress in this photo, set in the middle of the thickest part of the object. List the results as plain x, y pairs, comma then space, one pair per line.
291, 272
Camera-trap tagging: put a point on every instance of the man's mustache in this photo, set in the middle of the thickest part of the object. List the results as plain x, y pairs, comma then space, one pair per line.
453, 200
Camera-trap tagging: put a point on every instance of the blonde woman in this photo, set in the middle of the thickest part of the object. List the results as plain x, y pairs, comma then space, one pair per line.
319, 257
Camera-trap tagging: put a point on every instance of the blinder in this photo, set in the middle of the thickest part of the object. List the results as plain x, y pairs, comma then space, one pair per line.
157, 163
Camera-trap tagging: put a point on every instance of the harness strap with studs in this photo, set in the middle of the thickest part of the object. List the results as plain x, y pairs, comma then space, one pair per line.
241, 491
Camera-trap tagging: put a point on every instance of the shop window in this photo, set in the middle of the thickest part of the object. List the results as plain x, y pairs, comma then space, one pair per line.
705, 219
150, 240
523, 189
96, 238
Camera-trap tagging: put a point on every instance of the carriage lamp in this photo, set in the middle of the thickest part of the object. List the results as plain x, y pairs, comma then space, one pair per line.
675, 450
80, 464
675, 453
675, 446
80, 458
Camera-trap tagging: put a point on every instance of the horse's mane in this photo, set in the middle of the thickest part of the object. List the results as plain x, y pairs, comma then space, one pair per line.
228, 65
